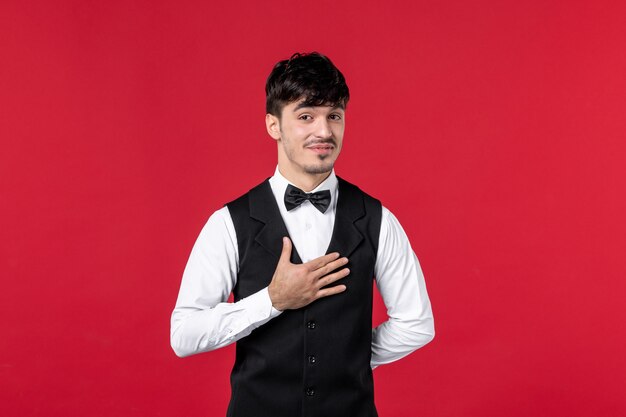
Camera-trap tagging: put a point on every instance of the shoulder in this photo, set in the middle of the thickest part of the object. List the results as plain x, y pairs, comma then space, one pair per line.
391, 231
219, 222
222, 220
244, 196
351, 189
242, 202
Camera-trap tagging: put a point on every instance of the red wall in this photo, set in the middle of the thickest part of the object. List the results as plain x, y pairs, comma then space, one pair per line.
494, 130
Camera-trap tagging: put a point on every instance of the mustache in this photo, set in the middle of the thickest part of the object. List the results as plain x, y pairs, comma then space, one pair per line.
330, 141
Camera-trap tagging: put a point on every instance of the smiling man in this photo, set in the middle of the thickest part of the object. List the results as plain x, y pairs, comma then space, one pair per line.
300, 252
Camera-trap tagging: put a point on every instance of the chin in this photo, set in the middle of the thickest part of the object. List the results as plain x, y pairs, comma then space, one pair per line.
319, 168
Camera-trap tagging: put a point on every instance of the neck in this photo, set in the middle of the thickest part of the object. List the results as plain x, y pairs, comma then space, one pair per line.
306, 182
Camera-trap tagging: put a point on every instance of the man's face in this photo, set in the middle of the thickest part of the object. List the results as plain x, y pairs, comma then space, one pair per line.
309, 138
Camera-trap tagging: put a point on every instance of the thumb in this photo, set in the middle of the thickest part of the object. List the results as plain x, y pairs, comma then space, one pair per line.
285, 255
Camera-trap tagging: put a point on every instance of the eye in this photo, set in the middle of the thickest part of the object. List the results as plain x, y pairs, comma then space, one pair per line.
305, 117
335, 116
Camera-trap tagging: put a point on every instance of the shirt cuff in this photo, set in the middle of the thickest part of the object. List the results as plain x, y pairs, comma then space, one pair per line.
260, 304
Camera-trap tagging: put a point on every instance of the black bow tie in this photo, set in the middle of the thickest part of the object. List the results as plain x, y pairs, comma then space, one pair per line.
295, 196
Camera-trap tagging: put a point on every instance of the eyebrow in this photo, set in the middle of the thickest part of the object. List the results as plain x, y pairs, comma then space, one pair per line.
303, 105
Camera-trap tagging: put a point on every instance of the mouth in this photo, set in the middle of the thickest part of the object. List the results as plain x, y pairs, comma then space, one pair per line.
321, 148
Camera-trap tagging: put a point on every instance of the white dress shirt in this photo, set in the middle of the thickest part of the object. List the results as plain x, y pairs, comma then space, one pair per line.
204, 320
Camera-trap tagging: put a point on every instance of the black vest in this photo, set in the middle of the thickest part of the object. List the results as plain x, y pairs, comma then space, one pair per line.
313, 361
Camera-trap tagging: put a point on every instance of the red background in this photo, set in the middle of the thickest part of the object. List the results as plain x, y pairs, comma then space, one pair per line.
494, 130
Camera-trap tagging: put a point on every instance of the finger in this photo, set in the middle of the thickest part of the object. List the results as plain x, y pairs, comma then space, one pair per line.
329, 267
329, 279
330, 291
285, 255
317, 263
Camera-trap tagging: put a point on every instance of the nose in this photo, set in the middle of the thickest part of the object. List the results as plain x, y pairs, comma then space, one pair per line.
323, 129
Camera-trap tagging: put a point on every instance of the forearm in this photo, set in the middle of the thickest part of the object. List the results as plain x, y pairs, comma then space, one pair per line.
394, 339
195, 330
410, 324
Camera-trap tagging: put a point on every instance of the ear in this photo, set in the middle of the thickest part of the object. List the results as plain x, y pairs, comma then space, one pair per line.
272, 124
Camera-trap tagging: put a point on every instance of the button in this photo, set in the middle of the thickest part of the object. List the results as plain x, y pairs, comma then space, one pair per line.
310, 392
311, 325
312, 359
307, 226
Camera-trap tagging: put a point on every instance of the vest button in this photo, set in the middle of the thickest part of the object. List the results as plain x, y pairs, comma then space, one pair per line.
312, 359
310, 392
311, 325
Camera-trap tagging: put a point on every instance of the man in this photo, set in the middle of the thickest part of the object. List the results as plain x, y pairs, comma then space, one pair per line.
299, 253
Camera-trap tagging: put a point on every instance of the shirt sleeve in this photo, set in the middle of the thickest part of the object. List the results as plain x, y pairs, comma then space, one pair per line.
401, 283
203, 319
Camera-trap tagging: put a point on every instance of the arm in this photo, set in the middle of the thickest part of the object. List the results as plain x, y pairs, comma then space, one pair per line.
203, 320
401, 283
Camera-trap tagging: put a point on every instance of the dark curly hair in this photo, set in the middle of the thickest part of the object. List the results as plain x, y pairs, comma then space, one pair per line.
309, 76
